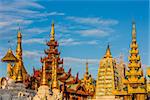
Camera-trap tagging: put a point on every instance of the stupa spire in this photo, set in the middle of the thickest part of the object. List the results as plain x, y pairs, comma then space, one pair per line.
135, 81
44, 80
52, 32
87, 67
108, 53
19, 47
133, 31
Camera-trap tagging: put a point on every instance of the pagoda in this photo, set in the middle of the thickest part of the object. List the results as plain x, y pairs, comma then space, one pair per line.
14, 86
52, 52
134, 81
58, 80
88, 81
107, 79
14, 70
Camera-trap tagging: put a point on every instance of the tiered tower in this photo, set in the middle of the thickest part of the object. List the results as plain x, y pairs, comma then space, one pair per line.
134, 80
52, 51
88, 81
107, 79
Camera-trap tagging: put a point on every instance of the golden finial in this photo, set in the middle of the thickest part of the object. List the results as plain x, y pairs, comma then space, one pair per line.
54, 74
44, 79
108, 53
87, 67
52, 32
133, 31
19, 47
19, 33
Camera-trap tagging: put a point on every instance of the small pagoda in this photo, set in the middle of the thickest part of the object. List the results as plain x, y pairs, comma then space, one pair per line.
134, 81
88, 80
59, 80
107, 79
13, 71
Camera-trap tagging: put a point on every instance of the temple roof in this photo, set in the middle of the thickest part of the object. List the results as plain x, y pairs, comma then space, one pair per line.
9, 57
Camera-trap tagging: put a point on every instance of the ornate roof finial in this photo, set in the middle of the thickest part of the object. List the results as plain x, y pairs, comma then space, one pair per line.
19, 32
108, 53
44, 80
133, 30
87, 67
52, 32
19, 47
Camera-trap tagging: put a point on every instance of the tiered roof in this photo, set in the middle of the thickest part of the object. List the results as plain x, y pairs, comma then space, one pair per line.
66, 82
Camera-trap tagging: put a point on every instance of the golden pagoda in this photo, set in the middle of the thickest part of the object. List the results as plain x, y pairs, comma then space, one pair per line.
19, 64
134, 81
107, 79
88, 81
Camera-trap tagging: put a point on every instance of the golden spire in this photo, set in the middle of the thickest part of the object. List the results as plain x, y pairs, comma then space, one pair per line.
133, 31
87, 68
44, 79
19, 47
108, 53
52, 32
54, 74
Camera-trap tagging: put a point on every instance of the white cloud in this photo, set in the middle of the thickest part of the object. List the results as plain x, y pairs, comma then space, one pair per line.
94, 32
93, 20
32, 54
71, 42
20, 4
35, 40
20, 12
36, 30
68, 60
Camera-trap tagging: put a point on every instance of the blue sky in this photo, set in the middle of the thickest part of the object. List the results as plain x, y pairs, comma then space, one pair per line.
83, 28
